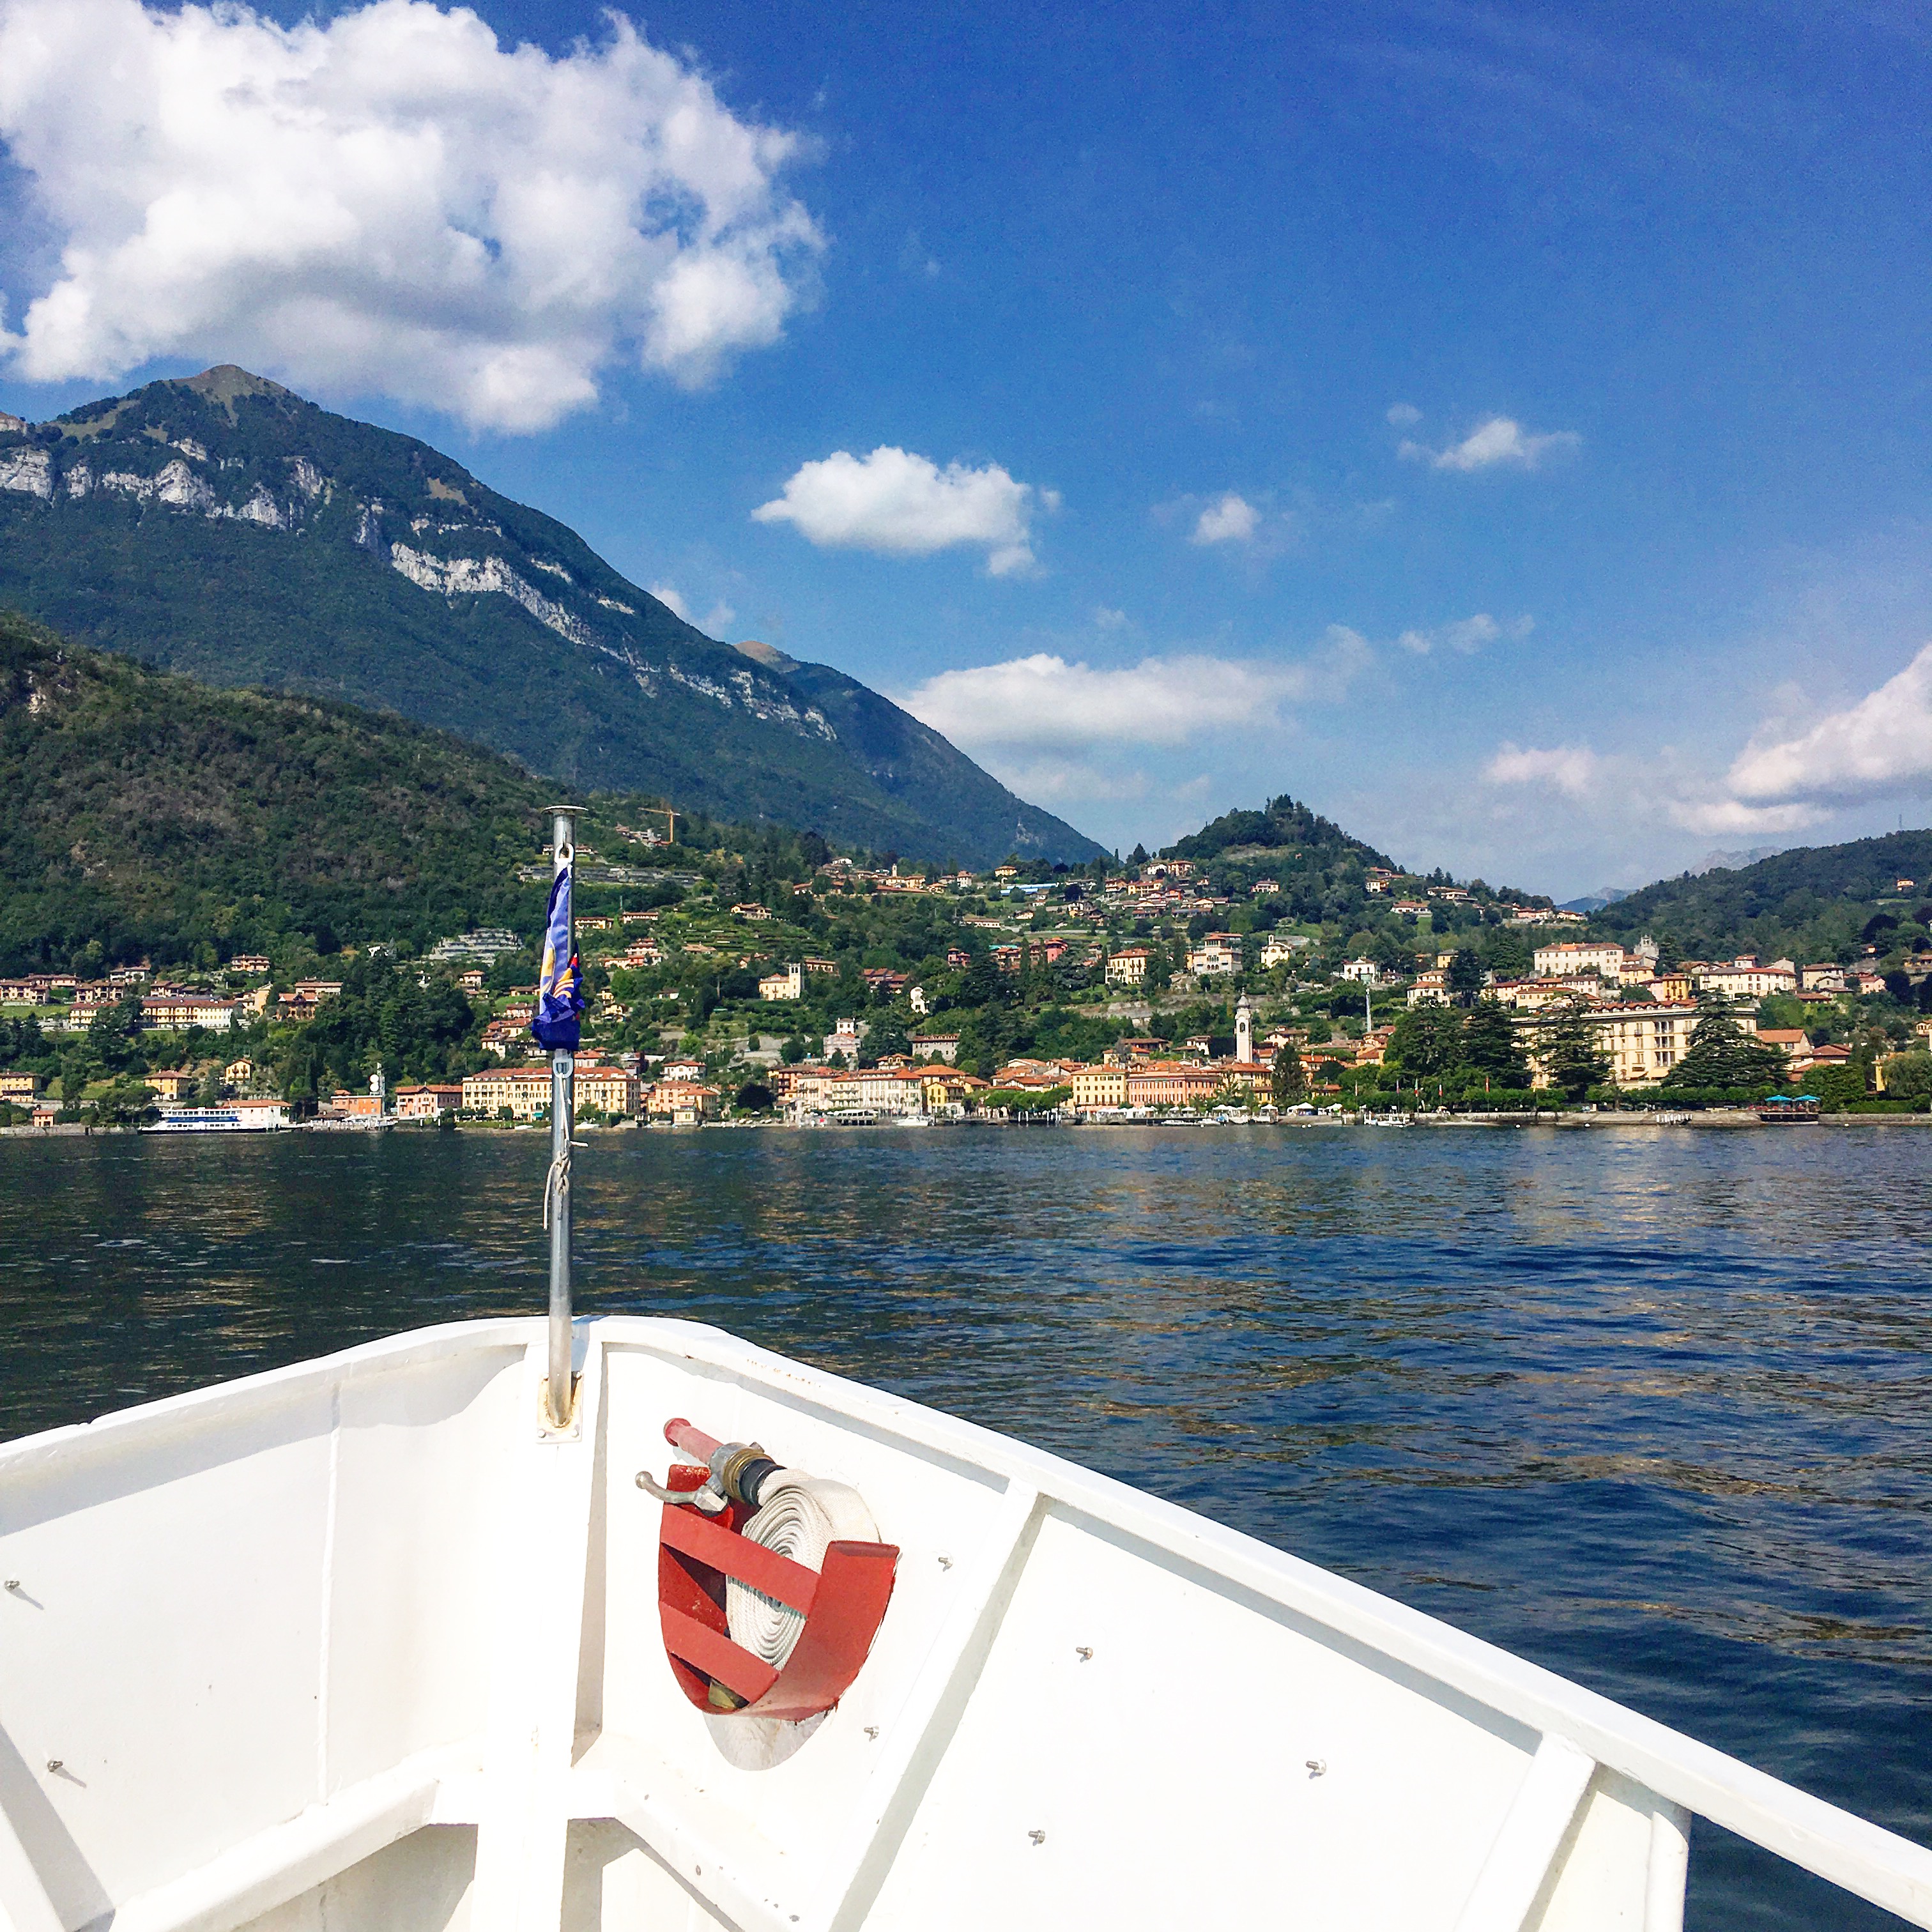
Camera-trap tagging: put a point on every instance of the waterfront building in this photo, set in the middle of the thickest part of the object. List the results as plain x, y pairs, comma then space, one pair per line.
1642, 1043
1811, 1058
946, 1089
1244, 1030
1095, 1087
881, 1090
524, 1090
930, 1046
19, 1090
682, 1103
1128, 967
607, 1090
174, 1083
428, 1103
1171, 1083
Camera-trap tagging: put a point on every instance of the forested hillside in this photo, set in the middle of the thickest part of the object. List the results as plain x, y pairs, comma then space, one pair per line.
1815, 903
150, 814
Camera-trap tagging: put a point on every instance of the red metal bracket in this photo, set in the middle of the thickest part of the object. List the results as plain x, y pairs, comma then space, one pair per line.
843, 1604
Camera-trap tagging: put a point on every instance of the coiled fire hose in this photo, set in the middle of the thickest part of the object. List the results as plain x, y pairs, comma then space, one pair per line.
798, 1516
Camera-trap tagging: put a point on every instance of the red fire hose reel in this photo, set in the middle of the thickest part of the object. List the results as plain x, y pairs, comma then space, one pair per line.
703, 1550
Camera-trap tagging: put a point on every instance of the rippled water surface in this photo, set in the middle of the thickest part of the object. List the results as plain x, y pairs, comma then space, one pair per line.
1649, 1407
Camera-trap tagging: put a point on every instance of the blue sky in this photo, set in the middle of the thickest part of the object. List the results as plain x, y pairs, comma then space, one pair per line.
1505, 428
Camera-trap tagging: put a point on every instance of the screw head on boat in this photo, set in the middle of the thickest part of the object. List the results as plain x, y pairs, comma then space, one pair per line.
1317, 1766
1038, 1837
56, 1764
13, 1582
945, 1563
871, 1730
1084, 1651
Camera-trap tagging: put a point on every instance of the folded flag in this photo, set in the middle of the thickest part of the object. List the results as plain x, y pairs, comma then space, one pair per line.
560, 984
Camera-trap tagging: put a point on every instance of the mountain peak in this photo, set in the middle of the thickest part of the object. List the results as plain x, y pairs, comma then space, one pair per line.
221, 522
769, 655
226, 380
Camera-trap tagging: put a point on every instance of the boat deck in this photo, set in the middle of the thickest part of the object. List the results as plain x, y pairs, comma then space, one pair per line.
362, 1643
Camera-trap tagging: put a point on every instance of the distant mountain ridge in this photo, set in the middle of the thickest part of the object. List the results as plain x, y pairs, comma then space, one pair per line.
223, 527
1813, 901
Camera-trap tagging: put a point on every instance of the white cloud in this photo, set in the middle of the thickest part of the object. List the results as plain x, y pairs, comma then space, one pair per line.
1404, 415
1044, 701
1500, 439
1638, 790
901, 505
1230, 519
1575, 770
390, 201
715, 622
1880, 745
1730, 815
1467, 635
1106, 618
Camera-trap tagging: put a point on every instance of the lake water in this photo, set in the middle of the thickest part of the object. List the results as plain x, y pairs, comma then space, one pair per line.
1650, 1407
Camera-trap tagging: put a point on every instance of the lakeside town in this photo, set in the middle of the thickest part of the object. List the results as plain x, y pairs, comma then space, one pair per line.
1153, 989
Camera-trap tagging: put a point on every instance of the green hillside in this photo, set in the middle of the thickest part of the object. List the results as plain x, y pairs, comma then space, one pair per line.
224, 527
153, 815
1822, 902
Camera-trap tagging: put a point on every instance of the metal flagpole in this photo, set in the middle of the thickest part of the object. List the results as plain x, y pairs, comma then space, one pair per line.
563, 1103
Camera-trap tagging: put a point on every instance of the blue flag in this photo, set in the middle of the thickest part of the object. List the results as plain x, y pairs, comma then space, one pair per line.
560, 984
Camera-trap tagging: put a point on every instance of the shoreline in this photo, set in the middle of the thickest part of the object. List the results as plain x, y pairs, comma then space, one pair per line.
1712, 1119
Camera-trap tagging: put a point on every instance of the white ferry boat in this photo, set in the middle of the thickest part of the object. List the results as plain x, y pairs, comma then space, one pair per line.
228, 1117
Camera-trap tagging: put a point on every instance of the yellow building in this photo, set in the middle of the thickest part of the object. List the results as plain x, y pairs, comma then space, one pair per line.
525, 1090
607, 1090
787, 983
1643, 1043
1099, 1086
945, 1087
682, 1103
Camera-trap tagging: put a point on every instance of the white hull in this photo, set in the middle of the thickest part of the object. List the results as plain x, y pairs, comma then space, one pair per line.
358, 1644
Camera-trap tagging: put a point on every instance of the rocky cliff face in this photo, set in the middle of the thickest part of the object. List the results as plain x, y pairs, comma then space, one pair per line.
224, 526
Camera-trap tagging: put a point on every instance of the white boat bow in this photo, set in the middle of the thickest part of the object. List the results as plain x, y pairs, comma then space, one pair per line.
364, 1643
